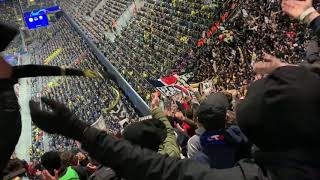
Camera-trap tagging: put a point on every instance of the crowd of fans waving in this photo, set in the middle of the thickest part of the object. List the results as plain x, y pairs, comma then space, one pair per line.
270, 132
166, 37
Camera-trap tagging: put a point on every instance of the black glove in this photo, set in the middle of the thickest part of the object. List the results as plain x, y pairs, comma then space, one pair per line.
59, 121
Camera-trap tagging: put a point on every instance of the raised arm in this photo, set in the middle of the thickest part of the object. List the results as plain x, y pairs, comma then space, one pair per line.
303, 11
44, 70
129, 161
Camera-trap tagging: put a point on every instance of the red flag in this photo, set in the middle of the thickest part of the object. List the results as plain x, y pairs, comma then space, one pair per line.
214, 29
223, 18
201, 42
209, 33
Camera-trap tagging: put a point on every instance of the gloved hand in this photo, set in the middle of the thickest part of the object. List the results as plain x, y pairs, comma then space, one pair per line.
59, 121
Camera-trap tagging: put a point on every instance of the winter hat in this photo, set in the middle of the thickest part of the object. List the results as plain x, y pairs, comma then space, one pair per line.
147, 134
51, 161
212, 111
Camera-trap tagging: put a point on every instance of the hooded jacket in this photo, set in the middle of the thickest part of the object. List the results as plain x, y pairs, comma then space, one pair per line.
169, 146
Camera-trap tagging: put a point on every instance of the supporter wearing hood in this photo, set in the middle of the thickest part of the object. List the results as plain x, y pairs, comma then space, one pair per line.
148, 134
216, 145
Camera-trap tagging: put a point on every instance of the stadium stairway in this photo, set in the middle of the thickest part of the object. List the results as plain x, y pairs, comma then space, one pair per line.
25, 141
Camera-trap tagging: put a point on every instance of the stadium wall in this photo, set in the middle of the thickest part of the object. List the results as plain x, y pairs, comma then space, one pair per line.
134, 97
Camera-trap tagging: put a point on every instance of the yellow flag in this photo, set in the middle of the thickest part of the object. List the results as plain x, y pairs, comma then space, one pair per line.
148, 96
215, 80
253, 57
241, 55
174, 3
89, 73
205, 7
52, 56
184, 39
114, 103
196, 85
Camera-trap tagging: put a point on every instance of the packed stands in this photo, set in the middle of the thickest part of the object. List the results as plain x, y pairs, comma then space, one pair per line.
8, 13
37, 148
243, 40
95, 17
167, 37
214, 40
232, 87
60, 45
28, 5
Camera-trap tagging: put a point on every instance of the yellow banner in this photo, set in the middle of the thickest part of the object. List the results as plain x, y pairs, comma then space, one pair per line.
114, 103
52, 56
53, 84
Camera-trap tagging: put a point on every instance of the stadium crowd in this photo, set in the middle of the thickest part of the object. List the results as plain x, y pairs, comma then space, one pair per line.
165, 37
60, 45
8, 15
94, 17
258, 120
